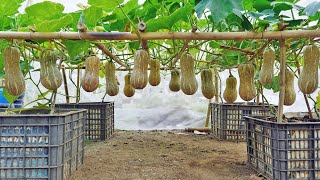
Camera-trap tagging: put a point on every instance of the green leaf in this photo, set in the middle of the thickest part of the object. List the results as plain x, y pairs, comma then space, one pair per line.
43, 95
247, 4
274, 85
9, 7
246, 24
75, 19
318, 101
219, 9
8, 96
261, 5
166, 22
214, 44
76, 47
101, 73
312, 9
107, 5
134, 45
118, 25
149, 11
281, 6
92, 15
6, 23
45, 10
54, 25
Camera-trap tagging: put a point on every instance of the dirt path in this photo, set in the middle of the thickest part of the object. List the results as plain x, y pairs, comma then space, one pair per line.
163, 155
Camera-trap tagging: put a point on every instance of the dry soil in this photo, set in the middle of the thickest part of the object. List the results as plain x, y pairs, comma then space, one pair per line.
163, 155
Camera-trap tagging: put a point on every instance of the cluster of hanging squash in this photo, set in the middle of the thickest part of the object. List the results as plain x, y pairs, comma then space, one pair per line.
307, 81
51, 78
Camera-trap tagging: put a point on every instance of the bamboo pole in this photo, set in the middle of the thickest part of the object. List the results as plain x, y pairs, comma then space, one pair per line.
161, 35
282, 79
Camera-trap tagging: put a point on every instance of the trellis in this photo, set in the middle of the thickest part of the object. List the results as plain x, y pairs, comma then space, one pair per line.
144, 36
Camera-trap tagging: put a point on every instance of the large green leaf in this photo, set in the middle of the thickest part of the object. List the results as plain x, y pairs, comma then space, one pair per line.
3, 44
9, 7
274, 84
248, 4
45, 10
76, 47
219, 9
75, 19
6, 23
261, 5
166, 22
149, 11
107, 5
8, 96
91, 16
54, 25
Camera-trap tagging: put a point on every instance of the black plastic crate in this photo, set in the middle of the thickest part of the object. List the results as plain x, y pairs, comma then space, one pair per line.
227, 122
284, 151
100, 119
38, 145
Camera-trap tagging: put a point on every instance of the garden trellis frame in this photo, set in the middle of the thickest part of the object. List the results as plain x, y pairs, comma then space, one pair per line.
160, 35
281, 35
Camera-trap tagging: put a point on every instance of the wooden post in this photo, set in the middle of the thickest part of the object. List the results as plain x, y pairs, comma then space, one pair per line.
65, 84
216, 85
78, 85
282, 78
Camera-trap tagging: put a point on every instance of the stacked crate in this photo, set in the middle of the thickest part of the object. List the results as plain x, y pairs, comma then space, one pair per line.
39, 145
100, 119
284, 150
227, 122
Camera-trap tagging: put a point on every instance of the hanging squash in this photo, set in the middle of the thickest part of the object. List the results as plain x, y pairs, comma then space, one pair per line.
308, 79
139, 76
189, 84
247, 89
90, 80
14, 80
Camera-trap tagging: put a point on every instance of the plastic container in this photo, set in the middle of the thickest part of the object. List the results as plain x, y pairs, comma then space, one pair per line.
100, 119
284, 151
227, 122
36, 145
3, 101
18, 103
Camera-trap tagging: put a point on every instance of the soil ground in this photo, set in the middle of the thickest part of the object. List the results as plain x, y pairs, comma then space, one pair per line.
163, 155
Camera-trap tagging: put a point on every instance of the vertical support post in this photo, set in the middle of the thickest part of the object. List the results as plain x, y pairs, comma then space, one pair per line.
208, 114
216, 85
65, 84
282, 78
78, 85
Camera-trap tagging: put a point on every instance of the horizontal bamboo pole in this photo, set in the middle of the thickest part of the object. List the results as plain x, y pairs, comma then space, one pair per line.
161, 35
